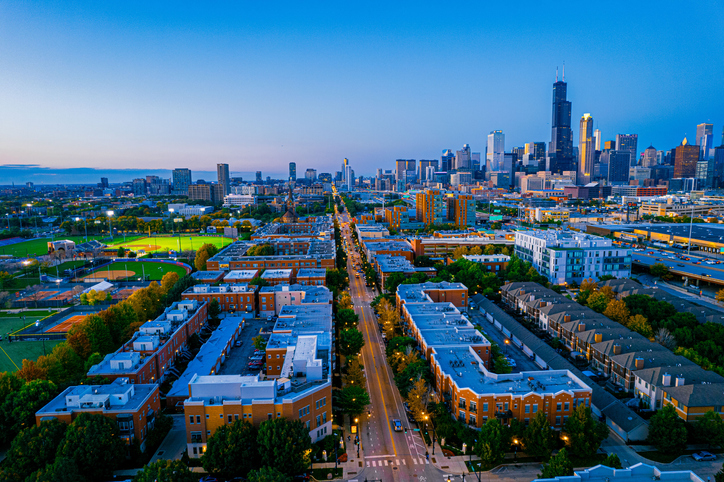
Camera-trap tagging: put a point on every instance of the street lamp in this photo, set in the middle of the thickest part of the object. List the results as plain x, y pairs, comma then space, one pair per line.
85, 220
37, 325
507, 342
110, 225
515, 453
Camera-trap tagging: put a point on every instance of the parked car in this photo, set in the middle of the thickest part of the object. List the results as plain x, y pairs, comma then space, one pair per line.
239, 343
703, 456
256, 358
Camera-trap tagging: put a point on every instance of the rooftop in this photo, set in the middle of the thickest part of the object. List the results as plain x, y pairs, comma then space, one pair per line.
300, 319
636, 473
116, 396
242, 274
393, 264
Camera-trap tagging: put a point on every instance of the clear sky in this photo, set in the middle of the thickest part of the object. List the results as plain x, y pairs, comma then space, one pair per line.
258, 84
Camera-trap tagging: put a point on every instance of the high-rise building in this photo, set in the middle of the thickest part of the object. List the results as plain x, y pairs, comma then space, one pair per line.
222, 173
310, 175
325, 176
104, 180
650, 157
292, 171
463, 207
206, 192
705, 139
181, 180
495, 150
139, 187
685, 158
402, 166
597, 138
431, 206
463, 160
560, 153
258, 177
424, 164
609, 145
628, 142
718, 160
619, 163
586, 150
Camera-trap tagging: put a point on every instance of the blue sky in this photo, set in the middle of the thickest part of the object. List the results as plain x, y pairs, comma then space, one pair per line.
139, 85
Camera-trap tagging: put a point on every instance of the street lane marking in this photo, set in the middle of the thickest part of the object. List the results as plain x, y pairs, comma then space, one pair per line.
376, 456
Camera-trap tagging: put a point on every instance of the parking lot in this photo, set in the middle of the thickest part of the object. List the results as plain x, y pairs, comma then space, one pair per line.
238, 359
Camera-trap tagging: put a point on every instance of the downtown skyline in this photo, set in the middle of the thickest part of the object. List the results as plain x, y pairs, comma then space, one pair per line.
110, 86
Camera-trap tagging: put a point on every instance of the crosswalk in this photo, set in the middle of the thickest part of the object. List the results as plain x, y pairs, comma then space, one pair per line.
396, 462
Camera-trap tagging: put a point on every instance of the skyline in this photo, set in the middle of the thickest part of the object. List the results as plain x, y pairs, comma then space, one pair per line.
129, 86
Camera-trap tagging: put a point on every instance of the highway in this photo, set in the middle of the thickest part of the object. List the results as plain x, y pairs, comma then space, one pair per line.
713, 273
387, 455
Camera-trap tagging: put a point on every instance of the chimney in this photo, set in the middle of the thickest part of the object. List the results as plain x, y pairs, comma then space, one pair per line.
581, 326
598, 337
532, 297
566, 318
639, 363
522, 292
616, 349
543, 304
666, 380
679, 381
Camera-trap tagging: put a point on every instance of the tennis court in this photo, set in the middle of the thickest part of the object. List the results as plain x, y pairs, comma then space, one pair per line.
65, 325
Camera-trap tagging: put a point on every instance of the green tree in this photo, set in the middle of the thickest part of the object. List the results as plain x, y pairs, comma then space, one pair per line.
355, 375
393, 281
347, 318
121, 252
559, 466
214, 310
612, 461
598, 302
259, 342
719, 476
17, 411
232, 450
268, 474
353, 400
659, 270
640, 325
493, 443
285, 445
667, 431
33, 449
62, 470
350, 341
585, 434
538, 437
166, 471
709, 429
337, 280
92, 442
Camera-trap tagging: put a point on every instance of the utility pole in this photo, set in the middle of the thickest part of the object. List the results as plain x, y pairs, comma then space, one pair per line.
691, 225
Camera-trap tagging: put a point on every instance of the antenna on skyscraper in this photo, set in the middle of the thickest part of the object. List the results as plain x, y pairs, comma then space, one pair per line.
556, 73
564, 72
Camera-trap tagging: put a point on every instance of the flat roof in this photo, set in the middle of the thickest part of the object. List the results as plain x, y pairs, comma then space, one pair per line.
304, 319
241, 274
98, 392
277, 273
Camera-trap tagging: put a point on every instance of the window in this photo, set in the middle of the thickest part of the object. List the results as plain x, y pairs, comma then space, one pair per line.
566, 406
191, 419
319, 420
535, 408
308, 423
485, 407
207, 416
198, 418
527, 408
558, 407
236, 416
324, 418
229, 418
195, 437
558, 420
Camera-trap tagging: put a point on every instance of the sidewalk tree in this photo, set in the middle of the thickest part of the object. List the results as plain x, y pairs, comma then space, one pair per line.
493, 443
353, 400
344, 302
355, 375
538, 438
268, 474
285, 445
232, 450
417, 398
585, 434
709, 429
347, 318
559, 466
612, 461
350, 341
667, 431
92, 442
166, 471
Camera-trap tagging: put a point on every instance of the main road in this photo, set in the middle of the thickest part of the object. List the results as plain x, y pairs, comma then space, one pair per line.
387, 455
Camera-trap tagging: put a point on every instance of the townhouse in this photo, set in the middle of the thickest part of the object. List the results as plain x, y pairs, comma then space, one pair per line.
148, 355
273, 298
442, 292
231, 297
133, 407
312, 276
651, 385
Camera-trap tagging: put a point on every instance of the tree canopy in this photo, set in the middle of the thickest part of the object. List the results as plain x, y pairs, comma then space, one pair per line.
232, 450
285, 445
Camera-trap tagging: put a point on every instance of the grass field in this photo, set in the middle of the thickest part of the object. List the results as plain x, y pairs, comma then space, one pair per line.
153, 244
39, 246
52, 270
154, 270
12, 354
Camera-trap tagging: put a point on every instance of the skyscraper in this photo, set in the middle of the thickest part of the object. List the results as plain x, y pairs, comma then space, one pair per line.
222, 172
181, 181
560, 153
597, 137
310, 175
495, 151
424, 164
258, 176
686, 157
628, 142
447, 159
650, 157
463, 160
705, 139
618, 165
586, 150
292, 171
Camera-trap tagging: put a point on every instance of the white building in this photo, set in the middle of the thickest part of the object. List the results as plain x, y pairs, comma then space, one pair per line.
232, 200
564, 257
184, 209
496, 151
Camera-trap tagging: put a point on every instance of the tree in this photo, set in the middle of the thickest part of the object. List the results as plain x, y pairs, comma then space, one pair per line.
17, 411
617, 311
33, 449
493, 443
709, 429
232, 450
166, 471
720, 296
337, 280
588, 285
664, 338
355, 375
538, 437
350, 341
640, 325
353, 400
205, 252
612, 461
92, 442
121, 252
585, 434
259, 342
417, 398
659, 270
393, 281
424, 262
285, 445
62, 470
559, 466
268, 474
344, 302
667, 431
347, 318
598, 302
719, 476
214, 310
169, 280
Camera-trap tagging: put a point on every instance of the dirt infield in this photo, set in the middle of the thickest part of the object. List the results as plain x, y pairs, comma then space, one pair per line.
145, 247
66, 325
102, 274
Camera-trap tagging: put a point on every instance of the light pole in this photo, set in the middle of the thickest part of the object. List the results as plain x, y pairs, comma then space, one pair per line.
37, 325
507, 342
110, 225
691, 225
515, 453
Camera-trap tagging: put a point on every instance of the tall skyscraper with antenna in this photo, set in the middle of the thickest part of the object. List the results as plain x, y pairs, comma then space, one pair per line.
560, 151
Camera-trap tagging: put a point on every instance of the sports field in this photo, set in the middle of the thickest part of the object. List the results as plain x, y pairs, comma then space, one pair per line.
133, 270
65, 325
39, 246
12, 354
174, 243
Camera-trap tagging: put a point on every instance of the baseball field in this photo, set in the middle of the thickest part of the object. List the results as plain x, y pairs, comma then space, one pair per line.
173, 243
134, 270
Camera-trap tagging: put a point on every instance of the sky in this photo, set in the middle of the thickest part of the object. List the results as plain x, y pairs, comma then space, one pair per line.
157, 85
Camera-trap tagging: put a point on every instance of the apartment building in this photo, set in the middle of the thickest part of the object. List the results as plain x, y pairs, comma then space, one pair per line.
312, 276
436, 247
273, 298
231, 297
565, 257
389, 247
133, 407
240, 276
148, 355
278, 276
494, 262
429, 292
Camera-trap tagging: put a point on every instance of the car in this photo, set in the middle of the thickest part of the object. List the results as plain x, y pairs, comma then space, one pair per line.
239, 343
256, 358
208, 478
703, 456
511, 362
397, 425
